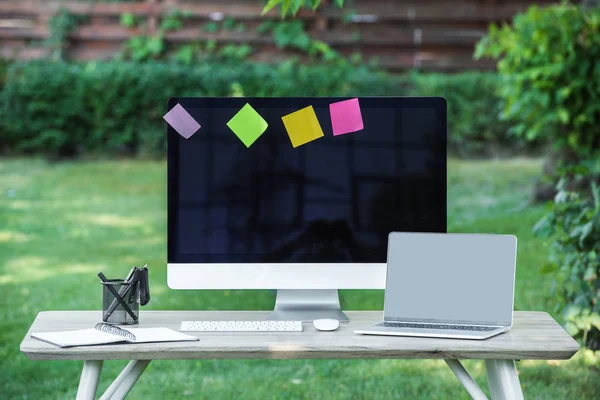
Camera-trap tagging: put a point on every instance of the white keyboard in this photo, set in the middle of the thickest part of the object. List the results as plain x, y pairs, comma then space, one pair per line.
241, 326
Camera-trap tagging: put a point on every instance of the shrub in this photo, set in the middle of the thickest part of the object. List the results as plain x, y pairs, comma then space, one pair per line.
575, 260
473, 126
550, 75
73, 108
113, 106
551, 89
4, 64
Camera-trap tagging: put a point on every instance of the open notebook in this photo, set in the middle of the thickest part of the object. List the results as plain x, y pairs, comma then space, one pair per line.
110, 334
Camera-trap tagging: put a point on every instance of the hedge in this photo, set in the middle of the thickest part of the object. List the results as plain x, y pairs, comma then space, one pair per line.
115, 107
474, 127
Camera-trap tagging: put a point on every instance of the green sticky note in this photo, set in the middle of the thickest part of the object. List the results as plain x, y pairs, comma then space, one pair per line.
247, 125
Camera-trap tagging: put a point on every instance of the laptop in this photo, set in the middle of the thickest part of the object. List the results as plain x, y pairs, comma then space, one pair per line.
448, 285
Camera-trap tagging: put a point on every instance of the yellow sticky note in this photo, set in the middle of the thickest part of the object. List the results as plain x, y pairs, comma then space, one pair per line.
302, 126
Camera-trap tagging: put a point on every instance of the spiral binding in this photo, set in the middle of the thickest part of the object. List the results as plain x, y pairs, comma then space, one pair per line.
115, 330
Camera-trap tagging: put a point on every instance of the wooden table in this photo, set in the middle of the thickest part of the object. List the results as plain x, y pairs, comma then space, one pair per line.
535, 336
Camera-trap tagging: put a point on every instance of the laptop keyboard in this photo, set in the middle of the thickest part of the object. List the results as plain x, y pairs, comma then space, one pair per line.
435, 326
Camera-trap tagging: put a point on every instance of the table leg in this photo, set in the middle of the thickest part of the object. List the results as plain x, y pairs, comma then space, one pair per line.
503, 380
465, 378
88, 383
125, 381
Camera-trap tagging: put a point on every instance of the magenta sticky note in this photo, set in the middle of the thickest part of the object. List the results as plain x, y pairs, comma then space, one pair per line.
182, 121
345, 117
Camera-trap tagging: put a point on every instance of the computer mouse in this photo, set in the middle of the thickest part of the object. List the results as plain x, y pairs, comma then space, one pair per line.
326, 324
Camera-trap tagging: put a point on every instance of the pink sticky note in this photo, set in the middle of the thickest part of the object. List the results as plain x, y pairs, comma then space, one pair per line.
345, 117
182, 121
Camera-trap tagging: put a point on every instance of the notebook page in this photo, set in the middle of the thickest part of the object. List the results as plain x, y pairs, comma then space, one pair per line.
83, 337
147, 335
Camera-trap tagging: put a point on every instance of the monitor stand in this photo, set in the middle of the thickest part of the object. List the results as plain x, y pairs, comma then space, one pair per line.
307, 305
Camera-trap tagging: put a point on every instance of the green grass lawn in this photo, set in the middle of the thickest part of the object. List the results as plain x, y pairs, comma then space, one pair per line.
60, 224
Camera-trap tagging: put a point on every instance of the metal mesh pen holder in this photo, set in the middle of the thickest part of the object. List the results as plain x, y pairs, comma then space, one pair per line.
120, 302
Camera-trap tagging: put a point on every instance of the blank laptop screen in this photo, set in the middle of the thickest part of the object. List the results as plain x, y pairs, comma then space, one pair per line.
450, 278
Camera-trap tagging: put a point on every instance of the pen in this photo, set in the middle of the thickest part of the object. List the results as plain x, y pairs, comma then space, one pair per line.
117, 297
122, 291
134, 280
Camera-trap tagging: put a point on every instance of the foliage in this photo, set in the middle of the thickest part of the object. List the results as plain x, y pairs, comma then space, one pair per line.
473, 128
128, 20
195, 53
60, 26
551, 79
234, 52
286, 34
211, 27
208, 51
4, 65
149, 46
117, 106
144, 47
173, 21
575, 258
291, 7
551, 89
291, 34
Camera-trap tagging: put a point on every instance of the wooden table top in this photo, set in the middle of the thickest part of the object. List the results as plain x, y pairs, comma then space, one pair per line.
535, 335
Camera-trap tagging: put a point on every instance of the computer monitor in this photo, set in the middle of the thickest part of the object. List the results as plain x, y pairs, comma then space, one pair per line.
305, 220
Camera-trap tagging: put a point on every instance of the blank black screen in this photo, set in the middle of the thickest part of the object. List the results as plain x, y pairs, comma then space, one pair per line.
332, 200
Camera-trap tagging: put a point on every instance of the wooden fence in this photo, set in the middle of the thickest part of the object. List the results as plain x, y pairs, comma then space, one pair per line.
428, 34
